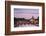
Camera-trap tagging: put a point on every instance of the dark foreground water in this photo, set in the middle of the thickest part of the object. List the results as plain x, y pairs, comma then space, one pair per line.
25, 25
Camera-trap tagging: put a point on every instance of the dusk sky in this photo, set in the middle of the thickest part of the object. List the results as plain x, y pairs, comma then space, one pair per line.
26, 13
